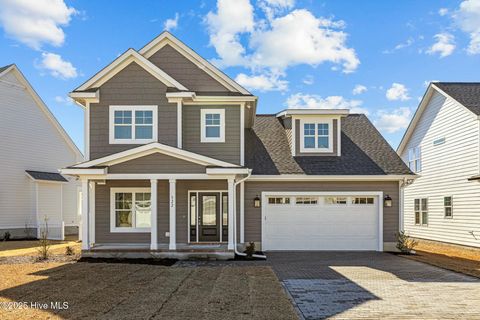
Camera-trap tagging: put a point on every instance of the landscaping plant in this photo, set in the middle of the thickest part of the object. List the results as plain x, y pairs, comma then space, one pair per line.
6, 236
250, 249
69, 251
404, 243
44, 248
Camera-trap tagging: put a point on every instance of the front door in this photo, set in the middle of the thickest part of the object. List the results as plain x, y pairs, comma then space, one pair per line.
209, 221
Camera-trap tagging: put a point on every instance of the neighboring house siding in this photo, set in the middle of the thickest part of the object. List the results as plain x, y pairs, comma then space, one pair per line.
445, 170
229, 150
28, 141
131, 86
156, 163
184, 71
298, 137
253, 223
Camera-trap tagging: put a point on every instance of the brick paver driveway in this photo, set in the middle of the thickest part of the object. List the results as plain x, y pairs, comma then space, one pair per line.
369, 285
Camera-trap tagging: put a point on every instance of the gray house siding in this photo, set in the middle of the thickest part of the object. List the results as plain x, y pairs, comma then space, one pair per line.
131, 86
229, 150
297, 141
184, 71
157, 163
253, 223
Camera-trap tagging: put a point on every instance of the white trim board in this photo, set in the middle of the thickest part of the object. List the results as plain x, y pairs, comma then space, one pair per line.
167, 38
296, 177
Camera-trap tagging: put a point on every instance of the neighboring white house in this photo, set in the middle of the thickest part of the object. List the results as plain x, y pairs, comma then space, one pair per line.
442, 146
33, 146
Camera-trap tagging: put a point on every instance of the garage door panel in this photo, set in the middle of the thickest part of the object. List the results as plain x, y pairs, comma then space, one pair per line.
321, 226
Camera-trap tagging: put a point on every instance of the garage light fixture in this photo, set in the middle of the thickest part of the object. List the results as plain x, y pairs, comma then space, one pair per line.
256, 202
387, 201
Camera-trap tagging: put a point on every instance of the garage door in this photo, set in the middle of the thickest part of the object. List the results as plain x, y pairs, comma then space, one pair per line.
320, 222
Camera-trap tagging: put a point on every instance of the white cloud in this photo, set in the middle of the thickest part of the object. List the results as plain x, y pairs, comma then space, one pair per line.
279, 42
444, 46
468, 18
308, 80
273, 8
171, 24
409, 42
57, 67
64, 100
313, 101
262, 82
397, 91
359, 89
443, 11
392, 122
35, 22
288, 4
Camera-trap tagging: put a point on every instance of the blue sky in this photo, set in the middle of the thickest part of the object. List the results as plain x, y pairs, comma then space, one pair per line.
289, 53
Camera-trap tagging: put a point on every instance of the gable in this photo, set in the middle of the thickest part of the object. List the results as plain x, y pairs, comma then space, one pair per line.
157, 163
185, 71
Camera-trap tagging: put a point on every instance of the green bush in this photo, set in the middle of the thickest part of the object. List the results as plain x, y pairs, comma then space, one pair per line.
404, 243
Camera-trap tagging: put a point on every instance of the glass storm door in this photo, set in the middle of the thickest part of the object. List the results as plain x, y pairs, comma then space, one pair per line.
209, 220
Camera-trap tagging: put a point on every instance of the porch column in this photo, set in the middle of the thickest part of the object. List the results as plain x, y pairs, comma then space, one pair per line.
85, 222
154, 215
173, 213
231, 208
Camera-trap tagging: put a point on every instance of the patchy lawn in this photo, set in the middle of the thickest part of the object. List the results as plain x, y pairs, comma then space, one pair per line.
452, 257
30, 247
136, 291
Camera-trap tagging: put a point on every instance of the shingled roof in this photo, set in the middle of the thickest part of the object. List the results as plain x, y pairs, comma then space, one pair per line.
466, 93
364, 151
46, 176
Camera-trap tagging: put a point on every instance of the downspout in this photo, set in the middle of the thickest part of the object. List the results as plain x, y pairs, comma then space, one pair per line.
235, 220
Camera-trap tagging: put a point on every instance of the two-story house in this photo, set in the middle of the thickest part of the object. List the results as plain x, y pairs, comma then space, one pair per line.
179, 163
442, 146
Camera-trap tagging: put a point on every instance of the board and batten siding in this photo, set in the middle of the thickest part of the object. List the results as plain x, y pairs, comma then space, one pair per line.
229, 150
445, 172
132, 86
28, 141
253, 223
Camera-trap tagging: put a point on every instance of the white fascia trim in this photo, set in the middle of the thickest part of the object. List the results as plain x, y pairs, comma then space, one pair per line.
192, 98
155, 147
166, 176
167, 38
226, 171
43, 107
7, 70
124, 60
203, 126
93, 97
295, 177
290, 112
183, 94
70, 171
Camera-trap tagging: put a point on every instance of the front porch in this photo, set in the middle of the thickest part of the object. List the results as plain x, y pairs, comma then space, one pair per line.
190, 216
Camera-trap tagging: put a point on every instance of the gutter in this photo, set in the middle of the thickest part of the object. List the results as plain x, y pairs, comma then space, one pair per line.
235, 221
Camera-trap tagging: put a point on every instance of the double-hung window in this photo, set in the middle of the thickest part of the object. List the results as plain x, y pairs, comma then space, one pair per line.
130, 210
316, 136
421, 211
415, 159
448, 207
212, 125
133, 124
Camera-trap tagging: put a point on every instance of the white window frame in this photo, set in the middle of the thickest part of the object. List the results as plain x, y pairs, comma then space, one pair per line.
445, 208
132, 108
113, 227
203, 126
420, 212
415, 159
316, 121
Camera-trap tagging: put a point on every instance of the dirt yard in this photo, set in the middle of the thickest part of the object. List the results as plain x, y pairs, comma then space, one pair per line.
136, 291
30, 247
452, 257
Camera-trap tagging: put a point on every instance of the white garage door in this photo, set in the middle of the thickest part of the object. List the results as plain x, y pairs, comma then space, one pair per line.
320, 222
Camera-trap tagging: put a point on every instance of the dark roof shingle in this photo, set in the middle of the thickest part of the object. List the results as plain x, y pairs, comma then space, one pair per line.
364, 151
466, 93
46, 176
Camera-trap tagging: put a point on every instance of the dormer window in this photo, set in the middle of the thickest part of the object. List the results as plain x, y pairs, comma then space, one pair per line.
133, 124
212, 125
316, 136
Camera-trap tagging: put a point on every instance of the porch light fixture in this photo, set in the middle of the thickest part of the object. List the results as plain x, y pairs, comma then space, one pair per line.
256, 202
387, 201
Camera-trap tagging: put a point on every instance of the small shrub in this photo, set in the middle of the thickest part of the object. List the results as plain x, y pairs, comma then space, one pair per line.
250, 249
69, 251
6, 236
44, 248
404, 243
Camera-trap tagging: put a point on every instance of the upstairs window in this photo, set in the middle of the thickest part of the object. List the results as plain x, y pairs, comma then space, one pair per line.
133, 124
316, 136
212, 125
415, 159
